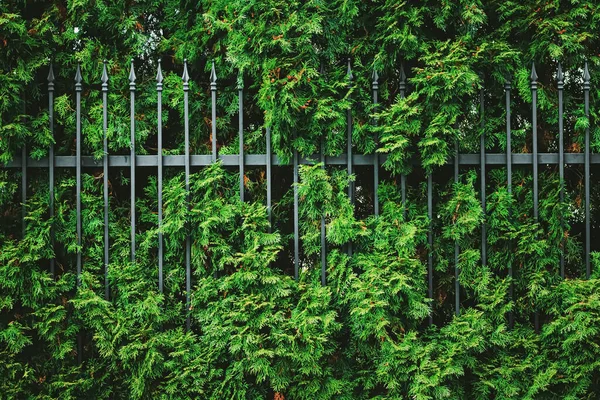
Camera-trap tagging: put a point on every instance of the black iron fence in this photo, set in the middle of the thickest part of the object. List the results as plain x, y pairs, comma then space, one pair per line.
268, 161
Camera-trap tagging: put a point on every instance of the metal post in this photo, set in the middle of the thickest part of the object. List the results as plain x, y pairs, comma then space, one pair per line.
561, 161
534, 78
375, 77
24, 173
24, 187
349, 148
323, 242
213, 90
241, 132
586, 94
78, 89
296, 219
51, 165
188, 248
159, 88
483, 185
105, 175
430, 243
402, 88
269, 173
507, 88
456, 245
132, 156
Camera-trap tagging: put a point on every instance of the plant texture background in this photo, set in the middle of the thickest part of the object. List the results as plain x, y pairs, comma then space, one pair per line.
256, 332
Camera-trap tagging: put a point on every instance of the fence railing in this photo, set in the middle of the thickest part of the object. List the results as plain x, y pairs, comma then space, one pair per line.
268, 160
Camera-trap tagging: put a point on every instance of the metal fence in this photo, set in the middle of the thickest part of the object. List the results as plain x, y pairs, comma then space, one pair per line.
268, 160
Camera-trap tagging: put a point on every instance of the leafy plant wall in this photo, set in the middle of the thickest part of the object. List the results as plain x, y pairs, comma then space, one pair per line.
255, 331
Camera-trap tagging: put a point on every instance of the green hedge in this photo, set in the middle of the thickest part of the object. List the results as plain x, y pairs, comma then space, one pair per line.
255, 331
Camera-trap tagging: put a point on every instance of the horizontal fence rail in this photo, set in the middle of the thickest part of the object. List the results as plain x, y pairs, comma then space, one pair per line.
232, 160
348, 160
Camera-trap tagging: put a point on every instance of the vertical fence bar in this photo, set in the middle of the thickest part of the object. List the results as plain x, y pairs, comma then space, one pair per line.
507, 88
586, 94
51, 165
24, 173
188, 245
213, 91
296, 218
105, 174
269, 172
483, 185
349, 148
323, 243
241, 131
456, 245
159, 88
24, 187
402, 88
132, 156
430, 243
78, 89
375, 154
534, 77
561, 160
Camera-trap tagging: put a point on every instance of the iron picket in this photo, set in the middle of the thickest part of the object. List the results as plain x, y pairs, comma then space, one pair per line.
586, 94
132, 156
159, 89
105, 174
534, 77
188, 244
375, 77
51, 165
561, 158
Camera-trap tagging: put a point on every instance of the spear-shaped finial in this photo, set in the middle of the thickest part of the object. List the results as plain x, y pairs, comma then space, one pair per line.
402, 85
586, 77
349, 73
104, 77
159, 77
375, 77
78, 78
185, 77
560, 77
240, 80
533, 76
213, 77
50, 78
132, 76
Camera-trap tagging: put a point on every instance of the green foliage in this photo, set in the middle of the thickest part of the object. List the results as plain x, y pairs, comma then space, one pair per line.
256, 333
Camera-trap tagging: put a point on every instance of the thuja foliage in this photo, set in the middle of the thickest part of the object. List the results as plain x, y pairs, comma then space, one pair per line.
256, 332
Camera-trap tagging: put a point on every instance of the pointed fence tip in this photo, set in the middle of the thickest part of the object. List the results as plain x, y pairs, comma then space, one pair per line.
559, 75
50, 74
78, 74
104, 73
131, 73
375, 76
186, 76
240, 80
159, 75
213, 73
533, 76
586, 73
349, 72
402, 74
